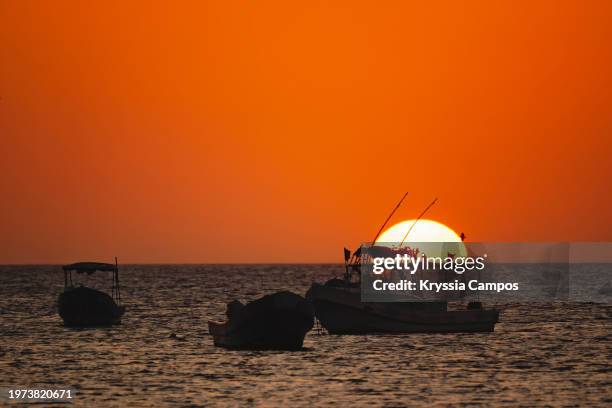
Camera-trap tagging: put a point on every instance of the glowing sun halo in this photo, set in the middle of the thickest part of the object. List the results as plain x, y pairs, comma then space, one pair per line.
423, 231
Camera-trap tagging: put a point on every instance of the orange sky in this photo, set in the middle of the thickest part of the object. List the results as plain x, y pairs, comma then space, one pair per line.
283, 131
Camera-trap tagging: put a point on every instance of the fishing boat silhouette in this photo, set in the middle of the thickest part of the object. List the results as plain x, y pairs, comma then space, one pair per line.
339, 308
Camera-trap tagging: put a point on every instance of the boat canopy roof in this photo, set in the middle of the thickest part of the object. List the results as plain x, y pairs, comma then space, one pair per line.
90, 267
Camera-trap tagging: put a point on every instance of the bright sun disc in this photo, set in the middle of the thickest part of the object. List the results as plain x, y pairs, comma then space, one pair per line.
423, 231
424, 236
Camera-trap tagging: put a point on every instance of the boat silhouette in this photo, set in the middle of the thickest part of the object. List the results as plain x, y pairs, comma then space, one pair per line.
82, 306
339, 308
274, 322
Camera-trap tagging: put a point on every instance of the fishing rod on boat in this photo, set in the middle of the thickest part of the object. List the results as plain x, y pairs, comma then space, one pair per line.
349, 260
388, 218
415, 221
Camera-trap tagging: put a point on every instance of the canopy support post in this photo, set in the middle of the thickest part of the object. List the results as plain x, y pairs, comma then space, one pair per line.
118, 293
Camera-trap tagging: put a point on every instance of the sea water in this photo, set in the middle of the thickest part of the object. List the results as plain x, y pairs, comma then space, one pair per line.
540, 353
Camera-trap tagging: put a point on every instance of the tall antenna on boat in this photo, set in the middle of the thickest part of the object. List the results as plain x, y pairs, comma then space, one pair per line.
388, 218
415, 221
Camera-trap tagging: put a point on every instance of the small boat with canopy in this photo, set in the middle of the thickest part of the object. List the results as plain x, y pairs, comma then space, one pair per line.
82, 306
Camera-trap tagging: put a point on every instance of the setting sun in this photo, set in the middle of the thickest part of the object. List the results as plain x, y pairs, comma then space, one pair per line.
423, 231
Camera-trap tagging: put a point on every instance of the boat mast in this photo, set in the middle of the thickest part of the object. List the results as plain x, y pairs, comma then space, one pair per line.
415, 221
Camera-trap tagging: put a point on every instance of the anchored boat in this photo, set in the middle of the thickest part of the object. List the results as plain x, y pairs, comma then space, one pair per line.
339, 308
82, 306
274, 322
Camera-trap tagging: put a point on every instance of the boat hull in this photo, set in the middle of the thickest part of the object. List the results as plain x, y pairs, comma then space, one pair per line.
341, 311
274, 322
86, 307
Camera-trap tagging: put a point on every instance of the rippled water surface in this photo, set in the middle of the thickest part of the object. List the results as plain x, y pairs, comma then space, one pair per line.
544, 354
